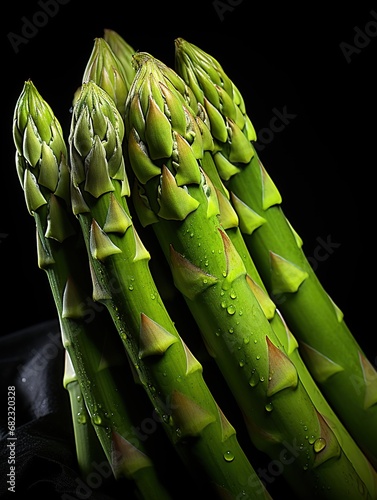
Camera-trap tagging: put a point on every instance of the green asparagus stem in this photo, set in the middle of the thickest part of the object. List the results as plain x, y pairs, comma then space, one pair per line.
88, 333
230, 221
338, 364
87, 445
165, 150
171, 376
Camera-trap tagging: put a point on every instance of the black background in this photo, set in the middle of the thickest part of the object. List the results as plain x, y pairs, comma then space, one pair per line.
280, 57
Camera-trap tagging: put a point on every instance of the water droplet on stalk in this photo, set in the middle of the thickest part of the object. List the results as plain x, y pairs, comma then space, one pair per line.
269, 407
81, 419
96, 419
319, 444
228, 456
254, 379
231, 309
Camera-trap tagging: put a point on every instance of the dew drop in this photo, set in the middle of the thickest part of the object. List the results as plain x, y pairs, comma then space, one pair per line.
96, 419
224, 274
228, 456
81, 419
231, 330
319, 444
261, 378
311, 439
257, 357
269, 407
130, 287
78, 397
246, 340
231, 309
242, 363
222, 292
254, 379
233, 294
306, 467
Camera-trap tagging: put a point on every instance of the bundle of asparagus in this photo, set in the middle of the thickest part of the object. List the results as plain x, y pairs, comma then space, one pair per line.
171, 151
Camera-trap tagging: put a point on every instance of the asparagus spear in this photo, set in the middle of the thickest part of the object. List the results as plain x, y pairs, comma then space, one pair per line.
122, 282
88, 333
178, 199
230, 221
338, 364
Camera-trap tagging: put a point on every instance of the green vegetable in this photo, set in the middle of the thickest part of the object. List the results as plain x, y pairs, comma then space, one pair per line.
88, 333
338, 364
230, 221
123, 283
179, 201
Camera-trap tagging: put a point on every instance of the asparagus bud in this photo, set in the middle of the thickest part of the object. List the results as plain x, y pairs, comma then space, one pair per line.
105, 68
123, 51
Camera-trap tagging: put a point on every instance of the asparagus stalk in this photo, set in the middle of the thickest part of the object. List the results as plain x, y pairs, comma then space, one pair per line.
87, 445
88, 333
230, 222
122, 282
334, 357
177, 198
